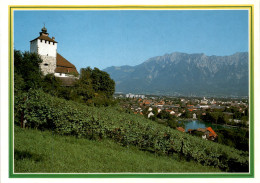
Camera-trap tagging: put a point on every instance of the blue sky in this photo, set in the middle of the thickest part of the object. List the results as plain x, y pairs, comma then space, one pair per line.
130, 37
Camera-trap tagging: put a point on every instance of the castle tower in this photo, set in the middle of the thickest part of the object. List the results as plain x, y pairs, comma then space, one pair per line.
46, 47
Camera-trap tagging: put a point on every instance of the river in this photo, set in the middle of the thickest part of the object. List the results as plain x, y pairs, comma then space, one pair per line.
195, 124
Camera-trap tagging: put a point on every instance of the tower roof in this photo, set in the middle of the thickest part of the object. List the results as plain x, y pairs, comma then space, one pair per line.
44, 36
44, 30
47, 38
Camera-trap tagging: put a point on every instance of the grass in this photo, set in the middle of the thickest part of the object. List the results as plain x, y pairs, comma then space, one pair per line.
44, 152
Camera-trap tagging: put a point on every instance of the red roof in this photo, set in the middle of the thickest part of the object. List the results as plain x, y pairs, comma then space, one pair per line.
61, 61
212, 133
64, 66
180, 129
65, 70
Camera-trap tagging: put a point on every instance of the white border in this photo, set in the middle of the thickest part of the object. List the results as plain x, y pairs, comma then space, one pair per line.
4, 52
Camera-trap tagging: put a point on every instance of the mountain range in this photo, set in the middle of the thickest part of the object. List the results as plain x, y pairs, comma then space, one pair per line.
182, 74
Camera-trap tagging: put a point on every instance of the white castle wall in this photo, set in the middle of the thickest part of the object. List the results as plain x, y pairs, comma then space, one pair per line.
47, 48
47, 51
48, 65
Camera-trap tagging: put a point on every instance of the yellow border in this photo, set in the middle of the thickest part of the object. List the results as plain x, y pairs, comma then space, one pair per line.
132, 7
248, 7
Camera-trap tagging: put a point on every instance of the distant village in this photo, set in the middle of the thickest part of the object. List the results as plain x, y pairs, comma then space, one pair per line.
233, 111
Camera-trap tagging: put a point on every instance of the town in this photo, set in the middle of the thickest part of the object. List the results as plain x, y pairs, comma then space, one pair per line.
224, 112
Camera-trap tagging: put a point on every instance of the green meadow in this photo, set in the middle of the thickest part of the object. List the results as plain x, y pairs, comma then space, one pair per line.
45, 152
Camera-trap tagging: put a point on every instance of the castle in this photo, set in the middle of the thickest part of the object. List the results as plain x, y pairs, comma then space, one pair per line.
53, 62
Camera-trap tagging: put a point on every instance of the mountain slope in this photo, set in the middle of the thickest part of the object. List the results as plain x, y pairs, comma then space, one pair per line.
185, 74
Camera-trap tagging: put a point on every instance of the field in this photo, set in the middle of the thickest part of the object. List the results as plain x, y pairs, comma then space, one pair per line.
45, 152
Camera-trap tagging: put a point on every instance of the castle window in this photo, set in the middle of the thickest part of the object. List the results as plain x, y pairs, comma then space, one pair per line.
53, 43
41, 40
45, 41
49, 42
46, 64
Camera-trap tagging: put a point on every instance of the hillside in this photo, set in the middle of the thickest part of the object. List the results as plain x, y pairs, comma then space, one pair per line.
185, 74
44, 152
45, 112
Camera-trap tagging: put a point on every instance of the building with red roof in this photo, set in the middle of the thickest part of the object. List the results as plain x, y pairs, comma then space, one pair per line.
212, 133
180, 129
52, 62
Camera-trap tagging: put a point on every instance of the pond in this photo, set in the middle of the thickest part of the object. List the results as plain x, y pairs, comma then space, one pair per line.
195, 124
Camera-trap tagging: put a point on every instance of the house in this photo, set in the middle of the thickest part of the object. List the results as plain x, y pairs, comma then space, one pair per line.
208, 133
170, 111
213, 102
146, 102
204, 106
150, 114
180, 129
204, 101
161, 102
211, 134
53, 62
130, 95
178, 115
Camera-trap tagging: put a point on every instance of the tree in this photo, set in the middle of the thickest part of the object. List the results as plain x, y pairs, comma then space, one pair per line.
163, 115
27, 71
51, 84
187, 114
95, 86
19, 84
102, 83
215, 116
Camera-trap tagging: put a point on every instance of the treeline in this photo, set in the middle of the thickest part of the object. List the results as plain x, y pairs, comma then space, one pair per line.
227, 118
93, 86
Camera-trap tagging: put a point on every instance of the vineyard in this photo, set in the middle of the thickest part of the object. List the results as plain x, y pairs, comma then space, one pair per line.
42, 111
